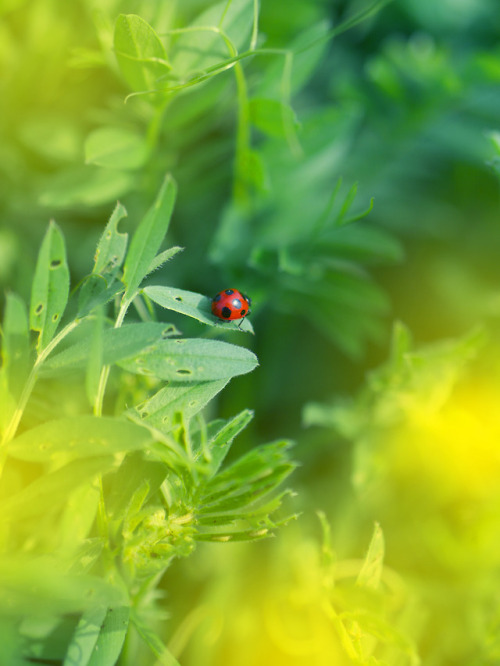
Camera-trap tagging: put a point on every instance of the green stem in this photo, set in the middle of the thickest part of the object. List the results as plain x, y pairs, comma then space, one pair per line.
103, 379
242, 136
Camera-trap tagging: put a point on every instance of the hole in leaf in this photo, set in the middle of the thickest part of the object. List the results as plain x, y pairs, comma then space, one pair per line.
108, 235
178, 298
39, 308
165, 419
184, 371
55, 317
193, 403
168, 331
144, 415
55, 263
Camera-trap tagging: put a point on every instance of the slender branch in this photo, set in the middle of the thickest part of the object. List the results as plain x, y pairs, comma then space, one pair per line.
103, 379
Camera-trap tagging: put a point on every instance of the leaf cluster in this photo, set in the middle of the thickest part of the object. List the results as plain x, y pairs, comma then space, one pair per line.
114, 493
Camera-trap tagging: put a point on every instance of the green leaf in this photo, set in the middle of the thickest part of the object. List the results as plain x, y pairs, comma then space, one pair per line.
234, 535
140, 54
253, 509
86, 186
371, 571
111, 637
176, 398
116, 148
163, 654
272, 117
200, 48
112, 245
79, 437
85, 637
238, 496
50, 290
193, 305
148, 237
221, 440
40, 587
163, 257
52, 489
94, 292
122, 484
192, 360
15, 343
77, 519
15, 334
8, 404
256, 464
117, 344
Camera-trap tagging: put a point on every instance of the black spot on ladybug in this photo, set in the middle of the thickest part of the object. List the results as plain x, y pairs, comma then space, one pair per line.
236, 303
229, 292
217, 298
243, 313
226, 312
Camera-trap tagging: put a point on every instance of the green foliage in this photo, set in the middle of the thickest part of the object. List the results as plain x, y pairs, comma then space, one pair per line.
186, 72
49, 294
337, 161
424, 434
139, 51
117, 495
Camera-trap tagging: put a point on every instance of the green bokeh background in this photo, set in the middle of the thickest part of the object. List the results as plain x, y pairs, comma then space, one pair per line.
405, 104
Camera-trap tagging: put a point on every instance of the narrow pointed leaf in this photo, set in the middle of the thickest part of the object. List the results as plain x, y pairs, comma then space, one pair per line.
15, 340
111, 637
193, 305
94, 293
15, 344
148, 237
176, 398
221, 442
117, 344
39, 587
192, 360
163, 257
163, 654
51, 490
50, 290
85, 637
112, 245
371, 571
79, 436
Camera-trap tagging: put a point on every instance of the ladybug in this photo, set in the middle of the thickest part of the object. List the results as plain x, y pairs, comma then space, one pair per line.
231, 304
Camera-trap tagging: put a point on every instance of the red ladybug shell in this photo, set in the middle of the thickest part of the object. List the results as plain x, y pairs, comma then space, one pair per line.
231, 304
